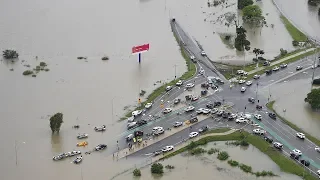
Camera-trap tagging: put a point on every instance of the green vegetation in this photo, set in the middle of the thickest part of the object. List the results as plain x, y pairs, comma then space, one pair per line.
285, 164
220, 130
187, 75
105, 58
242, 142
27, 72
157, 168
313, 2
55, 122
313, 98
243, 3
264, 173
293, 126
241, 43
296, 34
10, 54
43, 64
213, 150
136, 172
245, 168
253, 15
233, 163
197, 151
223, 156
169, 167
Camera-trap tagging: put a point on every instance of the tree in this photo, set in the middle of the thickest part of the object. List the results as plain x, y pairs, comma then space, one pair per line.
313, 98
136, 172
10, 54
241, 43
157, 168
55, 122
258, 52
243, 3
253, 14
319, 12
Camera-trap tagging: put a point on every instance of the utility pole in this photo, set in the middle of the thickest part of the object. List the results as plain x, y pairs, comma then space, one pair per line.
257, 91
175, 71
314, 69
16, 151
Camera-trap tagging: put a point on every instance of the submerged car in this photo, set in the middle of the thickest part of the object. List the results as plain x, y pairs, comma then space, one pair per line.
77, 160
59, 157
203, 129
176, 101
100, 147
101, 128
82, 136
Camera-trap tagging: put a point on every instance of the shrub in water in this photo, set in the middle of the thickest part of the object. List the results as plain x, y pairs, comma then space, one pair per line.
137, 172
197, 151
233, 163
246, 168
223, 156
213, 150
157, 168
27, 72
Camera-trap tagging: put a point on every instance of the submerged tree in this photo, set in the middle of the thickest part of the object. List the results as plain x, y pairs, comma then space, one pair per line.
55, 122
313, 98
243, 3
10, 54
157, 168
253, 15
258, 52
241, 43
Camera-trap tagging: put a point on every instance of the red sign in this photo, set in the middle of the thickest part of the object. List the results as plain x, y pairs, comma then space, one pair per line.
140, 49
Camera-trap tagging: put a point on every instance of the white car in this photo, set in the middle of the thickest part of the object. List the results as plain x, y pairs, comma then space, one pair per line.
258, 116
278, 145
179, 83
148, 105
131, 125
190, 85
168, 88
201, 71
247, 116
214, 110
243, 89
300, 135
199, 111
259, 131
317, 149
159, 131
167, 148
167, 110
318, 172
256, 76
206, 111
136, 113
241, 120
189, 108
192, 58
275, 68
249, 83
177, 124
157, 128
130, 119
203, 53
193, 134
240, 71
297, 152
241, 81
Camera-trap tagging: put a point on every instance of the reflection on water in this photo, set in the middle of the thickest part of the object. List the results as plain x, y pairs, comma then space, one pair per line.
209, 167
57, 143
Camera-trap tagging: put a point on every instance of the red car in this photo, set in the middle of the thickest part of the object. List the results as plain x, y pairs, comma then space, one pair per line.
194, 98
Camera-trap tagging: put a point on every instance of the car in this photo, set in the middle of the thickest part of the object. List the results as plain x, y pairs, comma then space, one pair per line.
148, 105
241, 81
176, 101
317, 149
194, 98
72, 153
158, 132
266, 63
100, 129
100, 147
189, 85
272, 115
219, 80
297, 152
130, 119
201, 71
167, 148
318, 172
179, 83
129, 137
131, 125
300, 135
203, 53
209, 105
276, 68
278, 145
177, 124
268, 139
82, 136
168, 88
193, 120
156, 153
226, 115
59, 157
193, 59
189, 108
242, 72
167, 110
256, 76
258, 116
259, 131
268, 72
203, 129
214, 110
251, 100
232, 116
294, 156
206, 111
200, 111
298, 68
193, 134
249, 83
157, 128
138, 133
78, 160
136, 113
220, 112
217, 104
283, 65
305, 162
258, 107
243, 89
241, 120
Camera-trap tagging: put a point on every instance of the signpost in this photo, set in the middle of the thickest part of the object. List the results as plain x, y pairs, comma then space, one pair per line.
140, 49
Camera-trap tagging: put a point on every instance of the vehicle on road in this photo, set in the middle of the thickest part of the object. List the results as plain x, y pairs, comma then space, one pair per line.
209, 105
138, 133
296, 152
220, 112
167, 148
241, 120
131, 125
167, 110
156, 153
203, 53
217, 104
193, 59
305, 162
206, 111
203, 129
100, 129
82, 136
78, 160
194, 98
241, 81
294, 156
268, 139
129, 137
258, 107
201, 71
226, 115
148, 105
243, 89
158, 132
100, 147
251, 100
179, 83
189, 108
177, 124
59, 157
278, 145
168, 88
242, 72
232, 117
220, 81
266, 63
193, 120
258, 116
156, 128
272, 115
136, 113
300, 135
268, 72
189, 85
249, 83
130, 119
276, 68
317, 149
141, 122
82, 144
193, 134
256, 76
214, 110
284, 65
176, 101
259, 131
298, 68
200, 111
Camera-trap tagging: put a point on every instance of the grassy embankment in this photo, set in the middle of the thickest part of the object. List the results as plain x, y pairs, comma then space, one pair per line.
285, 164
295, 33
191, 70
293, 126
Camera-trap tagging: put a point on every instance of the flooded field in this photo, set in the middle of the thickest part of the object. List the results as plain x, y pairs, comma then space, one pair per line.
209, 167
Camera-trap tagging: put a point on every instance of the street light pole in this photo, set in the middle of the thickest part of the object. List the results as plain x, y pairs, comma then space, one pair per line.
314, 69
16, 151
257, 91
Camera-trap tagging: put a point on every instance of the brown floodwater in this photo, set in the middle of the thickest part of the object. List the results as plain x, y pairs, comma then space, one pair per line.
209, 167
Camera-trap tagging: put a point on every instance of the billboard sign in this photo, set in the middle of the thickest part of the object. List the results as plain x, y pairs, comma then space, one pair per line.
140, 49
